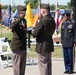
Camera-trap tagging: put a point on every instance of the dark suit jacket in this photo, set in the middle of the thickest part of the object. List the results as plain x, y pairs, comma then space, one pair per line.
18, 41
68, 33
43, 33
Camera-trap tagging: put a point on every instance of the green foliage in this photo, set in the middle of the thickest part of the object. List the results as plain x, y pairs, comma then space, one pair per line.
4, 32
13, 9
4, 6
69, 5
56, 54
62, 7
52, 7
57, 49
33, 54
33, 3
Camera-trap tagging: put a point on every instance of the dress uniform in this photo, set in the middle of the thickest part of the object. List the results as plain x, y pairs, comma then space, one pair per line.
43, 32
68, 39
18, 42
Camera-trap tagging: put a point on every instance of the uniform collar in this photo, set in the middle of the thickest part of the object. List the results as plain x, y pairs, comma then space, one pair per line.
46, 15
68, 21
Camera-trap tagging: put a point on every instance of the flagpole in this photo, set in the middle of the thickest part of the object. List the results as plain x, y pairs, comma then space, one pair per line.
19, 2
9, 5
1, 15
57, 1
48, 2
11, 2
39, 4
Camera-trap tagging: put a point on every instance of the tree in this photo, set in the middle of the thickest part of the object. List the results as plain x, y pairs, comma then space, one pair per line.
4, 6
33, 3
62, 7
68, 5
73, 8
52, 7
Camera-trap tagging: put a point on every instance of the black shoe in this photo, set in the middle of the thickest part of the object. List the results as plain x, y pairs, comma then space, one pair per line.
70, 72
66, 71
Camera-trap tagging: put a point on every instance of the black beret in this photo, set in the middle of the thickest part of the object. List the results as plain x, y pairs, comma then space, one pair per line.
21, 8
66, 14
45, 6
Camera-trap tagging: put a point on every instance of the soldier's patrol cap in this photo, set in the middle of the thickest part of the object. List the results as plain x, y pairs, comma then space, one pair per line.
21, 8
45, 6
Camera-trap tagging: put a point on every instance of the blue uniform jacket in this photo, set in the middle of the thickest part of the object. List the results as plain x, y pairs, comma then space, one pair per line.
68, 33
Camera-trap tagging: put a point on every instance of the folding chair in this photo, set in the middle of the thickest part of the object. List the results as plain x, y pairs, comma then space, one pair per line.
2, 52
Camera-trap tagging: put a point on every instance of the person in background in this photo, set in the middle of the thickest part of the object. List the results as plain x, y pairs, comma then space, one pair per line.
68, 39
18, 42
43, 32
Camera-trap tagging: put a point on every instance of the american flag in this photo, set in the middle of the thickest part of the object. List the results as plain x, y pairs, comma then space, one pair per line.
58, 17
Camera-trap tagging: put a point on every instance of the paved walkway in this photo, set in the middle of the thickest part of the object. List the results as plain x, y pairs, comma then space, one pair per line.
57, 68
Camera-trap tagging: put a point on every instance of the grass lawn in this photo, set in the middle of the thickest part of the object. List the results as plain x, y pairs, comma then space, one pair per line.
56, 54
4, 32
7, 33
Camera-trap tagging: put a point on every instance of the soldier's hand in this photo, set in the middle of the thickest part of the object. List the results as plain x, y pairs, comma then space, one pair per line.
22, 14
